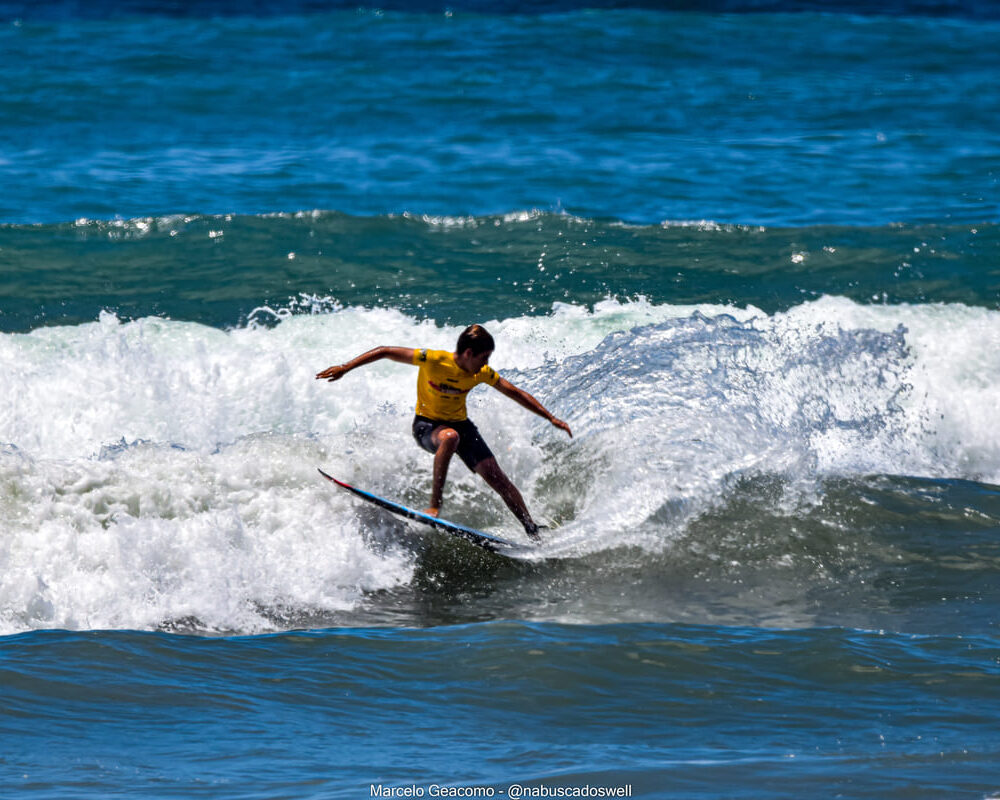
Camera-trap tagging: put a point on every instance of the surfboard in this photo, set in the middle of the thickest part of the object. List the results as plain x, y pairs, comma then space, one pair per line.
485, 540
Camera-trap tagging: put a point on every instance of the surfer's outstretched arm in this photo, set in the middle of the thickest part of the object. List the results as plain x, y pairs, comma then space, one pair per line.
520, 396
404, 355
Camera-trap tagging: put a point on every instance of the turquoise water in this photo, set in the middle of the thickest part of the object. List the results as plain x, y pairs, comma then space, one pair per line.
748, 252
227, 271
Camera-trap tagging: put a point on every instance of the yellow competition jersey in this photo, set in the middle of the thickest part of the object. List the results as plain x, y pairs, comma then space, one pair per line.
442, 385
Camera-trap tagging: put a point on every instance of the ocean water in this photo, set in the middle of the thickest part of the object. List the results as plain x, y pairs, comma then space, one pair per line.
749, 251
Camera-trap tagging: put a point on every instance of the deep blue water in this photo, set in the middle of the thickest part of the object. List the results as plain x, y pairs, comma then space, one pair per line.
748, 250
667, 710
783, 118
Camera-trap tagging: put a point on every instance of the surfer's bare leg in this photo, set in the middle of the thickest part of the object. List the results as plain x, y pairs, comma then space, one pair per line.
490, 472
446, 440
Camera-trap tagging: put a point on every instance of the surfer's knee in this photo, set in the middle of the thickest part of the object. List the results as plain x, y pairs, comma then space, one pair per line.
448, 439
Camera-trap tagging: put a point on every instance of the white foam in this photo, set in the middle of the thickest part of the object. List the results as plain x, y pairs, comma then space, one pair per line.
150, 535
158, 470
954, 372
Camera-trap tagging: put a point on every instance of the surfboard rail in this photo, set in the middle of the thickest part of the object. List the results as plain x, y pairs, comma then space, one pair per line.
487, 541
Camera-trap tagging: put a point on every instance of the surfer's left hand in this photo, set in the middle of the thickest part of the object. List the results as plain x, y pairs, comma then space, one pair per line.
562, 426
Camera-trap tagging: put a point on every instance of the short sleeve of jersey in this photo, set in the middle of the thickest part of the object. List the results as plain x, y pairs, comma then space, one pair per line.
488, 375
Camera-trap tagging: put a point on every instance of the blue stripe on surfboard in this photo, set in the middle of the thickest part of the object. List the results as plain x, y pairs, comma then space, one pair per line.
486, 540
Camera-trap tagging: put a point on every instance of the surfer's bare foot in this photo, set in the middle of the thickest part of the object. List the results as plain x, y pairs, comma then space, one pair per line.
532, 530
433, 512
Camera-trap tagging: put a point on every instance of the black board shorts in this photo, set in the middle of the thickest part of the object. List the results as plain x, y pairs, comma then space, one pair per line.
471, 447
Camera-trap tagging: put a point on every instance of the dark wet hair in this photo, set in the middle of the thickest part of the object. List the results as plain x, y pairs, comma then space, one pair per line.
477, 339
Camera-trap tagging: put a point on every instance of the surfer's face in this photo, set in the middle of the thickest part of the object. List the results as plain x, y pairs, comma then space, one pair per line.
473, 362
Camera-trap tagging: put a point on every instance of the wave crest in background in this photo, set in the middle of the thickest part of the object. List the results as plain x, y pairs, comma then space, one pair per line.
225, 270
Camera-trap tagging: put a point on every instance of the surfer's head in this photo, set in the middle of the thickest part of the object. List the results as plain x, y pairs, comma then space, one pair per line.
474, 348
477, 339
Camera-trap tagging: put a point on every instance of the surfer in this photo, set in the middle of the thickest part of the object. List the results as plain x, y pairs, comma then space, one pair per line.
442, 426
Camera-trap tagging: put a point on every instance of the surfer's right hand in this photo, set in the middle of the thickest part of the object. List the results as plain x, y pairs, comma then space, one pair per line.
332, 373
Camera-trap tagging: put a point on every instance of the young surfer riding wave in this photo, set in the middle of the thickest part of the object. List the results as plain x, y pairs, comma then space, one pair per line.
441, 425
